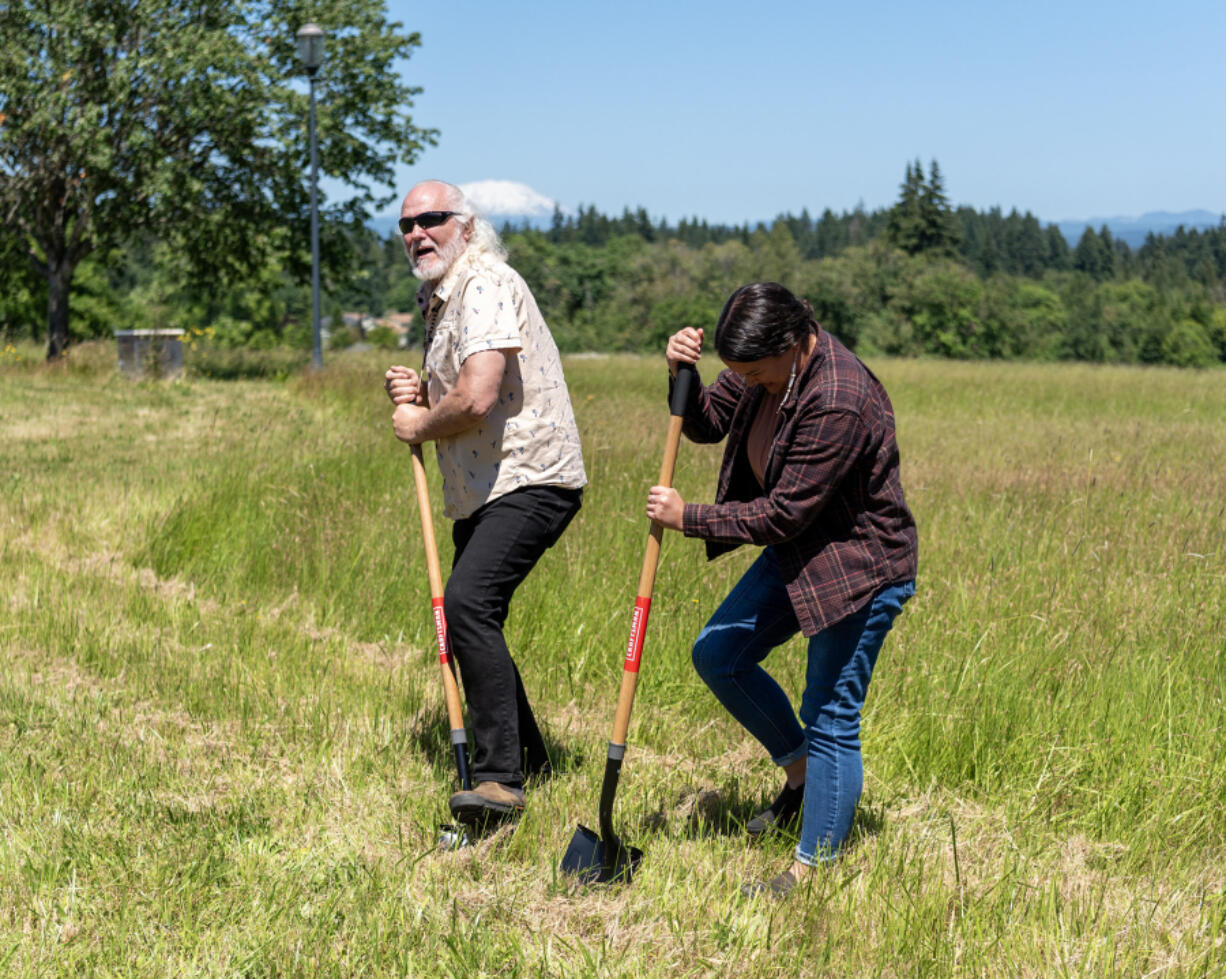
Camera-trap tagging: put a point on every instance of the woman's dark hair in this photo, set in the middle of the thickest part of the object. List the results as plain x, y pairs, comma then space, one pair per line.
762, 319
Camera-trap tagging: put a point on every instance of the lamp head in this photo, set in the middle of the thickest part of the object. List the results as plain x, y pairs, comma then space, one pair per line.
311, 47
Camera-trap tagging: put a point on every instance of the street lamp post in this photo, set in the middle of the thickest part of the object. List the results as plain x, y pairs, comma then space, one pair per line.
311, 54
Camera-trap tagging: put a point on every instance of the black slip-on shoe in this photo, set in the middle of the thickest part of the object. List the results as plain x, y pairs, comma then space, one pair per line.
777, 887
783, 810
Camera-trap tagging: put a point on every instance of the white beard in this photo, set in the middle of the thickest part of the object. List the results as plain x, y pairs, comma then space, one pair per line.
436, 264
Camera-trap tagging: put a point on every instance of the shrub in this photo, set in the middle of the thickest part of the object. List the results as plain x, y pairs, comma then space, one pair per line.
1216, 331
227, 364
384, 337
1187, 345
343, 336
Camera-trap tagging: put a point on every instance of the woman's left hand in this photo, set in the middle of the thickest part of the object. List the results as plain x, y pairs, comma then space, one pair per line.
665, 507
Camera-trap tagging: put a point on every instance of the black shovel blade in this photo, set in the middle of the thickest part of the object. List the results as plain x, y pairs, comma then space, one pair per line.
597, 861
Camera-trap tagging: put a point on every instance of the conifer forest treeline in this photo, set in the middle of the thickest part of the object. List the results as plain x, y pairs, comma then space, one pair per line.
921, 278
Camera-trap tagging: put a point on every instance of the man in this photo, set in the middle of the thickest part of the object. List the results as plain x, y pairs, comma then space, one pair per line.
495, 404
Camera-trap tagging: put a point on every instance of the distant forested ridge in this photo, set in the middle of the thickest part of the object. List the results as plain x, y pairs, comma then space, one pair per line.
920, 278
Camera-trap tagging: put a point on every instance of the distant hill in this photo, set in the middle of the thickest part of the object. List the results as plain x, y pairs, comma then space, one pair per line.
1129, 229
1134, 230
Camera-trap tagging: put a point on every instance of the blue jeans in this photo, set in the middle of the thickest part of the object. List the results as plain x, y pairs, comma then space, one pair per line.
755, 618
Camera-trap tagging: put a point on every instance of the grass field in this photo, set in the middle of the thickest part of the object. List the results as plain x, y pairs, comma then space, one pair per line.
223, 749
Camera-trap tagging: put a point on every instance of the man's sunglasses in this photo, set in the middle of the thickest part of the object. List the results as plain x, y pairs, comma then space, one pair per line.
426, 220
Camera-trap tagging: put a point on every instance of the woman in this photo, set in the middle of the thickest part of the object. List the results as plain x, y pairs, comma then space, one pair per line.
810, 473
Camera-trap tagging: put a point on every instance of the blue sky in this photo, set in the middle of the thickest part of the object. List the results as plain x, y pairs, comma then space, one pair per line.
740, 111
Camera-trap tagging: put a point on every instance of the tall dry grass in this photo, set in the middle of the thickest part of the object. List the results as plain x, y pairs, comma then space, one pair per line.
223, 750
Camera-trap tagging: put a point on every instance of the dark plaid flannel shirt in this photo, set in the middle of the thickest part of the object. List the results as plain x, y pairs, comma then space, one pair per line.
833, 505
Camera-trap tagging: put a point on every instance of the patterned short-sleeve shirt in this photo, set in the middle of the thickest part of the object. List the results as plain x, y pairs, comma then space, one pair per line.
529, 437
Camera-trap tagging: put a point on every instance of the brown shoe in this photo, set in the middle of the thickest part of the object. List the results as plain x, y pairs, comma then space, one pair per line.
488, 802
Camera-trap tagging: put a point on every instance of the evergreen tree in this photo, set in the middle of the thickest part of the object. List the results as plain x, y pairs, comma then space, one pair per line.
1058, 256
859, 225
939, 233
1029, 248
922, 220
1111, 253
1092, 257
557, 224
591, 227
906, 223
830, 236
642, 225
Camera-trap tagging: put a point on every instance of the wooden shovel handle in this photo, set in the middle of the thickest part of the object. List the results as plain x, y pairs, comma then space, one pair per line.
451, 691
686, 376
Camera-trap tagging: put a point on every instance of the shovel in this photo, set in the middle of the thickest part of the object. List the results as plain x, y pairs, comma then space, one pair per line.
452, 837
605, 859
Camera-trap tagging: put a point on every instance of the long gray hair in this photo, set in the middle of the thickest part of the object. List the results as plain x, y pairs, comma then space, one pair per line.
484, 242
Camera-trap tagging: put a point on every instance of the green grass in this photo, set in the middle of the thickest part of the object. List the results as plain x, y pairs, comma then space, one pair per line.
223, 749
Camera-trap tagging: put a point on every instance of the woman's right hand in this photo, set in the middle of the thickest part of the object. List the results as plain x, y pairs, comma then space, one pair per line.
684, 347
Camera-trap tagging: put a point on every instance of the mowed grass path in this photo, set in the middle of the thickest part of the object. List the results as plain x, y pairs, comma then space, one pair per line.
223, 749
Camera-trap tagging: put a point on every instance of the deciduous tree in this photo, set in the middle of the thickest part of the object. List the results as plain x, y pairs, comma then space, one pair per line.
188, 118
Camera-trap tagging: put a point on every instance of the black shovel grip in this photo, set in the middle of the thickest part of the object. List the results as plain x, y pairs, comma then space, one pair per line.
608, 792
461, 764
679, 397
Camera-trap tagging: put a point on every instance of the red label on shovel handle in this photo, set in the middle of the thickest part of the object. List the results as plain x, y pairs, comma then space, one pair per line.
638, 629
440, 631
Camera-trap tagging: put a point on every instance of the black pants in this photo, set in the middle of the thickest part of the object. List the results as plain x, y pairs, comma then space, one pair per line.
495, 548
